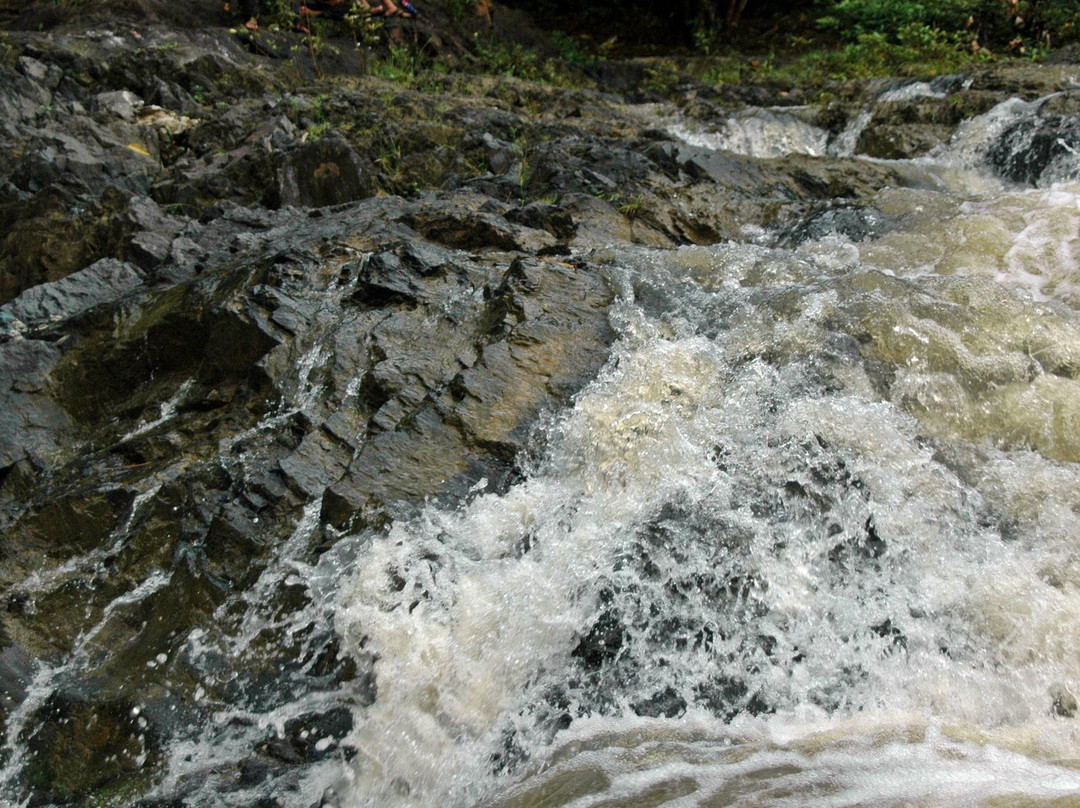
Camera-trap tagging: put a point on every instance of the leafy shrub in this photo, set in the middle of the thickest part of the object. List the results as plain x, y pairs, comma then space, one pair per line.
457, 9
278, 13
400, 64
913, 50
498, 58
363, 26
570, 50
1052, 22
889, 17
998, 24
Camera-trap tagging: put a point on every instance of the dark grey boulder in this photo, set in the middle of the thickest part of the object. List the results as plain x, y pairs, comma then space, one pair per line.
102, 282
324, 172
32, 425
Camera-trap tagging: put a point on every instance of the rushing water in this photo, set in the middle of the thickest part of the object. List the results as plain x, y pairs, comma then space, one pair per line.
809, 538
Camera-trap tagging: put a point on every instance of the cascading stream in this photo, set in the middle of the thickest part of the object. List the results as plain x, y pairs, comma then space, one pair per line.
808, 539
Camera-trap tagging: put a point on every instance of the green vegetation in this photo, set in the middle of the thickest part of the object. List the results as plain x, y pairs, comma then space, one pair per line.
571, 50
498, 58
858, 39
808, 42
400, 64
7, 52
662, 76
992, 24
364, 28
786, 43
280, 14
458, 9
914, 50
902, 37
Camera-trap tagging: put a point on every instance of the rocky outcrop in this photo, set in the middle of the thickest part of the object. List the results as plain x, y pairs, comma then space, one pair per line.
1041, 147
342, 359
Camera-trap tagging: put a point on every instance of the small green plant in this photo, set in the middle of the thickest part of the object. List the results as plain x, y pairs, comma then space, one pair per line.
661, 76
523, 149
570, 50
632, 207
318, 130
279, 14
512, 60
390, 158
198, 92
7, 52
724, 70
365, 28
914, 49
457, 9
707, 40
316, 38
400, 64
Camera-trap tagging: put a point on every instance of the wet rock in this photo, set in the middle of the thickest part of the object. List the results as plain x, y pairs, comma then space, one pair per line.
474, 221
892, 633
1023, 80
855, 222
89, 157
1041, 148
602, 643
901, 142
551, 218
73, 522
119, 103
597, 221
39, 72
726, 697
1062, 701
16, 674
805, 177
32, 426
181, 335
384, 280
54, 233
77, 747
317, 736
666, 703
860, 548
149, 249
102, 282
722, 168
901, 129
324, 172
499, 155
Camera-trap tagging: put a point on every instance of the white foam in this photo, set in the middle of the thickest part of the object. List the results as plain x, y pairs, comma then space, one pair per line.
756, 132
473, 612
